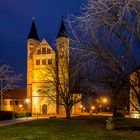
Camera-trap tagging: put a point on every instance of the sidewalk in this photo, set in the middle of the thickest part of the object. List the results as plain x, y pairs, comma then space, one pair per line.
15, 121
20, 120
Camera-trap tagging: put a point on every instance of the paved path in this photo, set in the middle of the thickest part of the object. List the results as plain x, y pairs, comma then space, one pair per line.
20, 120
15, 121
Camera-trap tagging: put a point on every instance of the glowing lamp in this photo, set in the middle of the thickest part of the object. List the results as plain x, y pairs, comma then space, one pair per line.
93, 107
20, 105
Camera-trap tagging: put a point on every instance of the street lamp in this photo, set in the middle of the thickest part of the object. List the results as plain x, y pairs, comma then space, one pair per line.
81, 107
27, 102
92, 108
104, 102
20, 107
84, 108
1, 93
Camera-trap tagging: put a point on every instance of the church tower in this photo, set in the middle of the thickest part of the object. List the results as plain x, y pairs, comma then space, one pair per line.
40, 58
32, 43
43, 65
62, 42
62, 59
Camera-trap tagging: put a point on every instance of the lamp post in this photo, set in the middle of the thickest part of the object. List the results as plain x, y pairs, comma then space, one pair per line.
13, 103
100, 108
92, 109
81, 107
1, 80
27, 102
104, 102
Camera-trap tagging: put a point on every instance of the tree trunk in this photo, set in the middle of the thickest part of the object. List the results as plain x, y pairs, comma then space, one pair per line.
139, 102
68, 112
115, 108
114, 111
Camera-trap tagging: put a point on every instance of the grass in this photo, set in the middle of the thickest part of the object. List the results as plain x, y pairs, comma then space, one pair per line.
78, 128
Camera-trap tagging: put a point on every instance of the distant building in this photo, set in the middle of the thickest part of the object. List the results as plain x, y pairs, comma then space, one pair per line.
40, 56
134, 91
14, 100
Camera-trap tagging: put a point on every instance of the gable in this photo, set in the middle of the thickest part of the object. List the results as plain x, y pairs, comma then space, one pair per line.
44, 55
44, 48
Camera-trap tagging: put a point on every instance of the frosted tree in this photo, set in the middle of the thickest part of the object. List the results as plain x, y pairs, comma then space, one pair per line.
8, 80
108, 31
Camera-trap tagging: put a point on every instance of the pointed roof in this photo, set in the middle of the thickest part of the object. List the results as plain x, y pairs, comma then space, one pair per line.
62, 30
33, 32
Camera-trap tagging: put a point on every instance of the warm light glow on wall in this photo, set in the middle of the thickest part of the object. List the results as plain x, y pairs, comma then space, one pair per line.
36, 104
27, 101
20, 106
136, 115
35, 100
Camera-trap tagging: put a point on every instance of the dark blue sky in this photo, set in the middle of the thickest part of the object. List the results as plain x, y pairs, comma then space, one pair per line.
15, 21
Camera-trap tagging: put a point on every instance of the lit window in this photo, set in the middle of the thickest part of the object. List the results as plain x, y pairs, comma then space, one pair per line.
5, 102
37, 62
44, 50
39, 51
48, 51
44, 62
16, 102
49, 61
11, 102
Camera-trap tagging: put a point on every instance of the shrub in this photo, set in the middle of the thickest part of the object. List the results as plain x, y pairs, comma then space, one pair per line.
22, 114
120, 114
6, 115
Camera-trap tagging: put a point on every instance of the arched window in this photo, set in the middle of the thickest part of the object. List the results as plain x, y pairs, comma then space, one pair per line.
39, 51
43, 61
16, 102
44, 50
37, 62
49, 61
48, 51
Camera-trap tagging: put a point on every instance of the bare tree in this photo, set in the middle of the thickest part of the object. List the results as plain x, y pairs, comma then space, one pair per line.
8, 80
111, 29
64, 83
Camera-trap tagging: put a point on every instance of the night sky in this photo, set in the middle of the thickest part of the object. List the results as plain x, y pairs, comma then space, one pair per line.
15, 22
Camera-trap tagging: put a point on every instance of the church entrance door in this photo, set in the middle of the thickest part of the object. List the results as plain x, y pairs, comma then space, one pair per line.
44, 109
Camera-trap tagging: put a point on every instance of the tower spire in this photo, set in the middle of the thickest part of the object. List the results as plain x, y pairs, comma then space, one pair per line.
62, 30
33, 31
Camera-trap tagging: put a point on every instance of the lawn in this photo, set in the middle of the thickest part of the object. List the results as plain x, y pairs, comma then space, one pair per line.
78, 128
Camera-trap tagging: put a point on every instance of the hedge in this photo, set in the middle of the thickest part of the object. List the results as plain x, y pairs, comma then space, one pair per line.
6, 115
21, 114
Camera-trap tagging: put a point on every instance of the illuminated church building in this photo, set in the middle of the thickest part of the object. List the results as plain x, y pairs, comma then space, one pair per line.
40, 55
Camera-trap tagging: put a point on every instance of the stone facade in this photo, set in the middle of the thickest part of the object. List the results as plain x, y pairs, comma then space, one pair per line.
15, 100
40, 58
